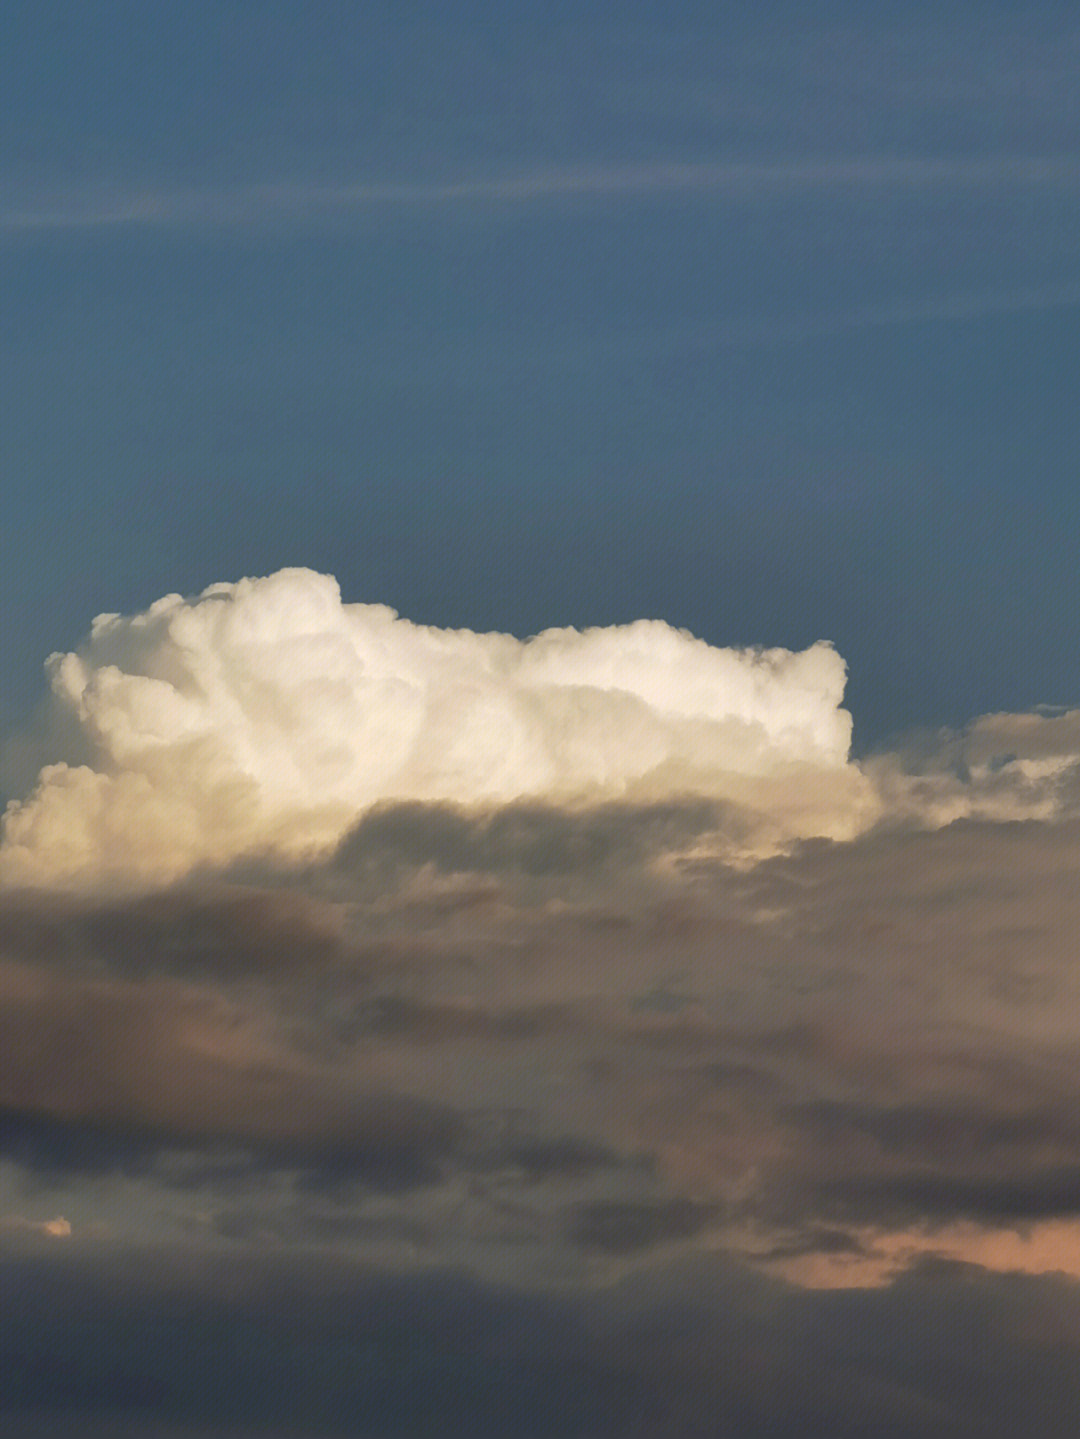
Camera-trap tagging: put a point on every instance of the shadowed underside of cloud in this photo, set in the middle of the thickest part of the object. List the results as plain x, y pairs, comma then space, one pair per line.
565, 1030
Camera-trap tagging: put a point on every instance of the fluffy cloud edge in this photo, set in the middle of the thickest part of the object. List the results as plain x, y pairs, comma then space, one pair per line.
268, 717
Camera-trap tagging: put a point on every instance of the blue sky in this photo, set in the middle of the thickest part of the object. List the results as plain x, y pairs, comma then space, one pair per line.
409, 1031
759, 320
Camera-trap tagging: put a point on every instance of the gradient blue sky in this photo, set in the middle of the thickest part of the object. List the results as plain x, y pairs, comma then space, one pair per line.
759, 319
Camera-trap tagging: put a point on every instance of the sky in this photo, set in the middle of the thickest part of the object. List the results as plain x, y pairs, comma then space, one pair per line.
539, 720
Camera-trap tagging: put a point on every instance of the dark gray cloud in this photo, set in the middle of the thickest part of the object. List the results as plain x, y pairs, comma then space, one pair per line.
527, 1078
851, 1026
217, 933
619, 1227
529, 840
159, 1345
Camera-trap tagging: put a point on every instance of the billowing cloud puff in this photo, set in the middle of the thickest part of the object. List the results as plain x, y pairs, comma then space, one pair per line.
1000, 767
268, 716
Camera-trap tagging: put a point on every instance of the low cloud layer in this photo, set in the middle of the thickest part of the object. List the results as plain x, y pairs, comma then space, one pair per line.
281, 1350
547, 1044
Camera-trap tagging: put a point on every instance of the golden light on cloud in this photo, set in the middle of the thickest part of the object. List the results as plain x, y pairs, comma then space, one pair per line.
57, 1228
877, 1257
268, 715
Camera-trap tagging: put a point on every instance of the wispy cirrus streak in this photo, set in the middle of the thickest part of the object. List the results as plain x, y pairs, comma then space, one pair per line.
107, 205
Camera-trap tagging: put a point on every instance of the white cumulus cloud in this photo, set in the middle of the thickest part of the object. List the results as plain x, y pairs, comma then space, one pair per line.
267, 716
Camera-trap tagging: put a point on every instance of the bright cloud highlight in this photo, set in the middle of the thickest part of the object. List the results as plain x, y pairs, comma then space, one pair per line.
267, 715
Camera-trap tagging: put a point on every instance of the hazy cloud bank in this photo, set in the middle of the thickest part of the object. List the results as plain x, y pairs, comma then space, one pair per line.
544, 1043
279, 1349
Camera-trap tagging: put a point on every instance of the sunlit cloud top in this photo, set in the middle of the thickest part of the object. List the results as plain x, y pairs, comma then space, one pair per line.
268, 715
